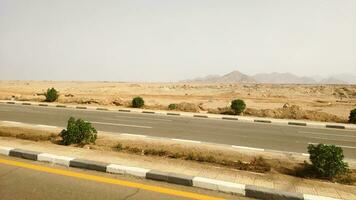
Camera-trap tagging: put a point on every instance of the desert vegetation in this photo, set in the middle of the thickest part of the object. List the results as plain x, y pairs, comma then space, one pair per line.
327, 103
78, 132
51, 95
352, 117
172, 106
138, 102
326, 163
238, 106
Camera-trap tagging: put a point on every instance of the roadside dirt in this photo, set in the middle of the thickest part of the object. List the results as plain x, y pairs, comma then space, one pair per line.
270, 179
329, 103
207, 154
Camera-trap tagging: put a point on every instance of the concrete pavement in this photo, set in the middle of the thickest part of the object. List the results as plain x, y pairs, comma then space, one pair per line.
230, 132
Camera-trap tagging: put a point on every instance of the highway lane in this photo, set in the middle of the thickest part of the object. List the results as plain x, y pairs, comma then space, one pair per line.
19, 182
257, 135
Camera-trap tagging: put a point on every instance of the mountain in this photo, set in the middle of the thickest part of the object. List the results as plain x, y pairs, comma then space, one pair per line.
282, 78
236, 77
232, 77
332, 80
274, 78
351, 79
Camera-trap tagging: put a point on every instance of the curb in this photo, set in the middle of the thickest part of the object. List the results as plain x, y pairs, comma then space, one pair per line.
102, 109
179, 179
211, 116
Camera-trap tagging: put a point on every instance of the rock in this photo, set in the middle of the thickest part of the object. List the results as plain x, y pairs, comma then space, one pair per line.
118, 102
286, 105
69, 95
188, 107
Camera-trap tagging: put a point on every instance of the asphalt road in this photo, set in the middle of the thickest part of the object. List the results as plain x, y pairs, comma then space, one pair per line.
256, 135
18, 182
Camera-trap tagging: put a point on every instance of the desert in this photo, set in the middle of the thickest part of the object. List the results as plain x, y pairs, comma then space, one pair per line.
318, 102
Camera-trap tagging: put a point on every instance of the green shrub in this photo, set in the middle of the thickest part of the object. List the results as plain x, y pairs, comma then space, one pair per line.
172, 106
138, 102
51, 95
327, 161
238, 106
78, 132
352, 117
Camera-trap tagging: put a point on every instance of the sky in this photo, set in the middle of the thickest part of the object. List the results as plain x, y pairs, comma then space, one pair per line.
170, 40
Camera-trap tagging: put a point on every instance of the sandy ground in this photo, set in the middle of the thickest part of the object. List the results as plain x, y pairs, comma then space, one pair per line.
313, 102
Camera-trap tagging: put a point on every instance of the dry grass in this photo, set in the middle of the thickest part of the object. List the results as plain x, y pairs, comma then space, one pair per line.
258, 164
28, 133
172, 150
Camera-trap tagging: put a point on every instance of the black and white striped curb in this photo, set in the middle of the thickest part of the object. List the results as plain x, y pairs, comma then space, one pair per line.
180, 179
211, 116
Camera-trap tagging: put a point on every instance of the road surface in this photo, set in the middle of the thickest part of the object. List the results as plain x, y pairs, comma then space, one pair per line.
230, 132
19, 182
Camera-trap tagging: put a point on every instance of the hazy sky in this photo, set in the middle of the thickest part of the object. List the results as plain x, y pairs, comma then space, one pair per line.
166, 40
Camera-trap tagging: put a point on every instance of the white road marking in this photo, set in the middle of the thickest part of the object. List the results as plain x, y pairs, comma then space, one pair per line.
330, 134
134, 135
164, 120
248, 148
12, 122
191, 141
46, 126
349, 147
320, 138
114, 124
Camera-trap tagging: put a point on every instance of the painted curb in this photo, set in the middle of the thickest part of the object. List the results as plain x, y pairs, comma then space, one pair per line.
120, 169
61, 106
262, 121
25, 154
157, 175
125, 110
267, 193
217, 185
148, 112
335, 126
297, 124
50, 158
180, 179
201, 116
229, 118
81, 107
5, 150
88, 164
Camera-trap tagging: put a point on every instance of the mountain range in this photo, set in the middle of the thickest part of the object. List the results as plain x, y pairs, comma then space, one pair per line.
274, 78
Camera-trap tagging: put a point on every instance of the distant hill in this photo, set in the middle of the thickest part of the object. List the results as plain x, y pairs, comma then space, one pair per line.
345, 77
236, 77
282, 78
332, 80
274, 78
232, 77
